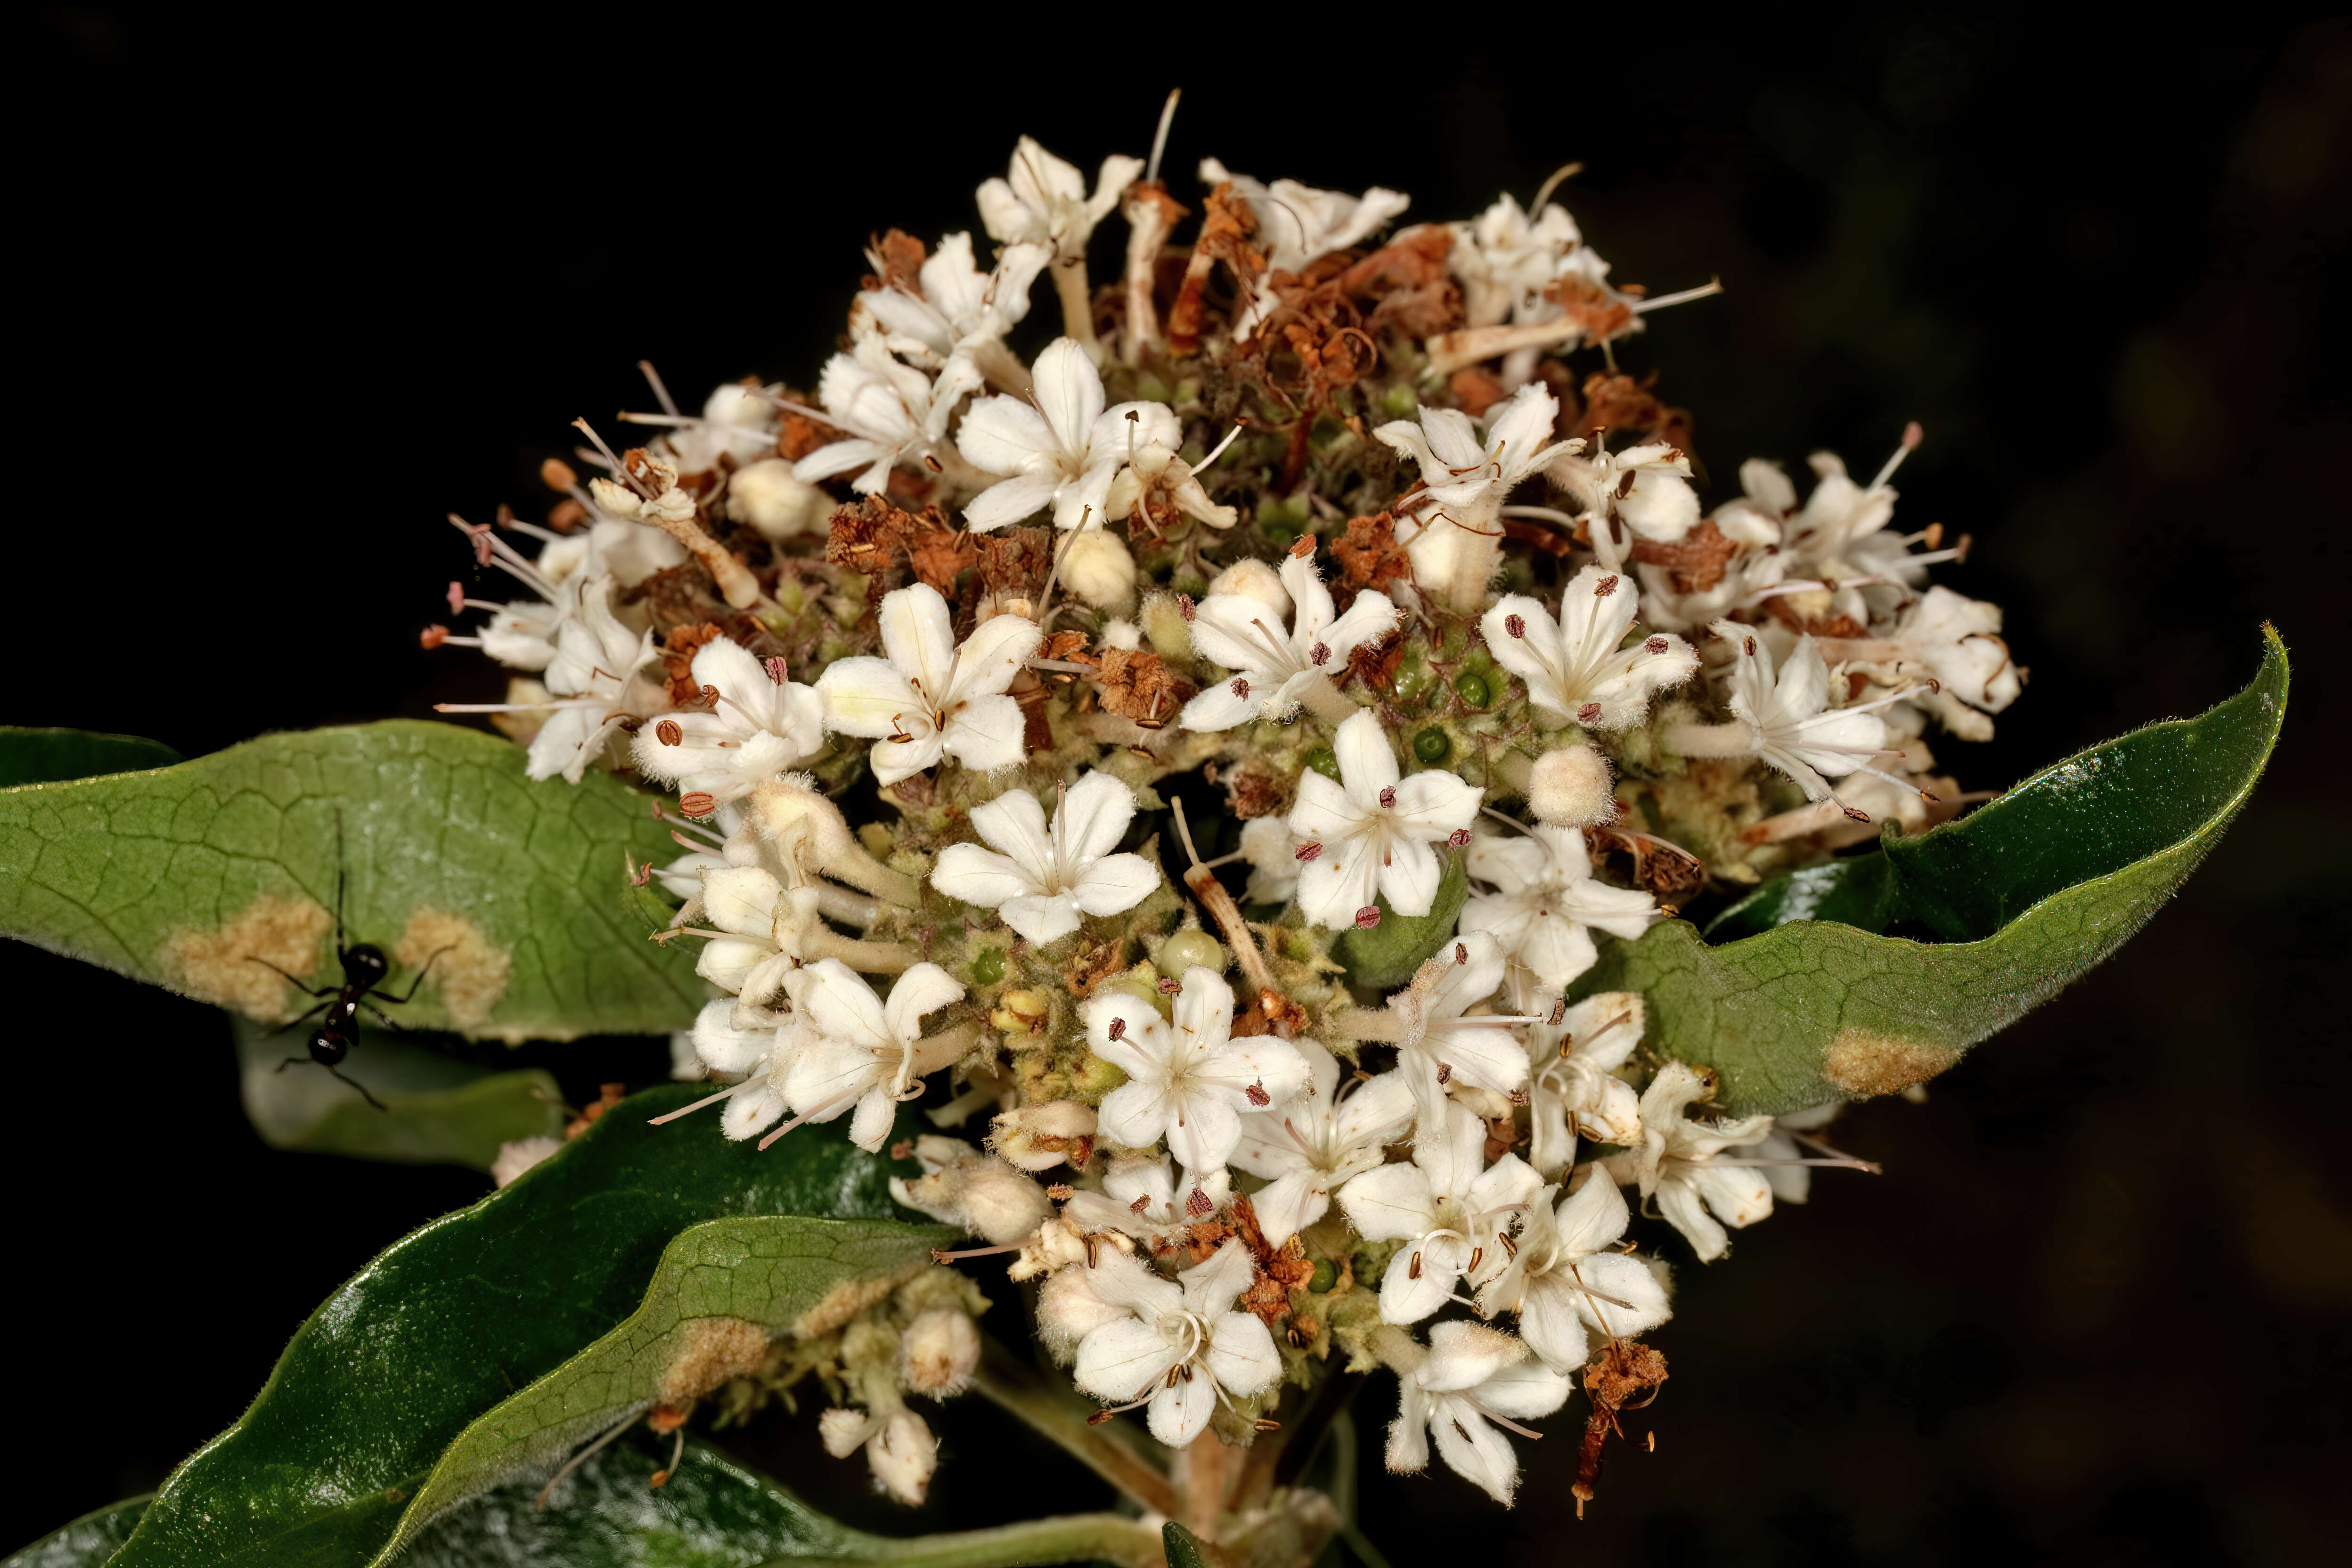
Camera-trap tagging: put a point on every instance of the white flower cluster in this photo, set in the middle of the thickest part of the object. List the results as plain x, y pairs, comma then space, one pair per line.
1538, 634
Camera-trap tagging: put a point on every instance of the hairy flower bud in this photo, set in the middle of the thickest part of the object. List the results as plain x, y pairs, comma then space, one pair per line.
1097, 568
1041, 1136
940, 1350
963, 1186
1253, 579
1570, 787
765, 495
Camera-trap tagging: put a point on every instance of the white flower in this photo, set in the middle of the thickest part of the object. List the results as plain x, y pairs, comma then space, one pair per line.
755, 1045
1272, 851
1955, 642
595, 659
1308, 1146
1546, 904
1046, 878
1451, 528
865, 1051
930, 698
1679, 1164
1274, 669
1472, 1375
899, 1449
1188, 1078
1178, 1344
1784, 1162
1299, 223
1504, 260
1063, 449
1154, 482
1566, 1275
735, 423
1374, 827
894, 413
1440, 1040
958, 311
1645, 488
1578, 668
1140, 1201
761, 725
1573, 1086
1045, 201
763, 927
1449, 1209
1790, 723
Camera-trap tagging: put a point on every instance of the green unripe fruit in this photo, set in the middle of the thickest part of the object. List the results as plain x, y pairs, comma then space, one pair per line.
1400, 401
1188, 948
989, 967
1325, 1277
1323, 762
1472, 688
1431, 746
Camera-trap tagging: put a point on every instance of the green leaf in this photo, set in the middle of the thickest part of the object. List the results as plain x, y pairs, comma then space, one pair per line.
563, 1293
46, 757
1831, 998
715, 1514
1386, 957
1184, 1547
86, 1542
436, 1109
186, 875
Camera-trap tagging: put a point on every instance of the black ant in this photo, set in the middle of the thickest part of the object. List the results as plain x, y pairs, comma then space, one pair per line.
364, 968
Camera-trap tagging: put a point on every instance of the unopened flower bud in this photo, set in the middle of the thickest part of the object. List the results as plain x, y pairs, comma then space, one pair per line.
979, 1192
1253, 579
1041, 1136
1097, 569
904, 1457
940, 1350
765, 495
1570, 787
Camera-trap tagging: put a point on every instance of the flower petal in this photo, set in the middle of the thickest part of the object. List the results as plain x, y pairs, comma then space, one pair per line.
976, 876
985, 733
870, 697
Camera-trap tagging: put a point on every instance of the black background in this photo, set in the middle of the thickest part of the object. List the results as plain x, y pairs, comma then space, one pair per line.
287, 298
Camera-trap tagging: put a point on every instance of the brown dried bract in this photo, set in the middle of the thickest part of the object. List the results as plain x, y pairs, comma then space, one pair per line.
1013, 563
678, 649
1224, 237
1369, 555
1408, 284
1618, 403
1626, 1368
899, 254
1789, 610
1376, 664
1255, 792
1695, 562
607, 1096
1601, 314
1475, 390
800, 434
1138, 685
1093, 965
1276, 1271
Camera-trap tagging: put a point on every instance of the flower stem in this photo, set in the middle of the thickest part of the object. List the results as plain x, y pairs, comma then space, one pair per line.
1077, 301
1070, 1538
866, 957
1327, 701
1364, 1023
1736, 738
1061, 1415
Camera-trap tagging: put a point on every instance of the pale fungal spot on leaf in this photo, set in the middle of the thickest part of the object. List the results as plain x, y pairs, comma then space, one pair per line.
710, 1352
1865, 1063
219, 966
470, 973
850, 1297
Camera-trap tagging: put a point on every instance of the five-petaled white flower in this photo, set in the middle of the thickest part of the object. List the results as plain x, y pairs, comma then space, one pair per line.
1060, 445
1470, 1380
761, 724
1440, 1040
1449, 1208
1141, 1201
1566, 1275
1274, 670
762, 926
1546, 904
754, 1043
1789, 722
1045, 201
1642, 492
958, 311
1374, 827
1299, 223
1573, 1086
894, 413
863, 1051
1188, 1078
1046, 878
1505, 260
1307, 1147
1680, 1163
929, 697
1179, 1347
595, 659
1578, 667
1452, 528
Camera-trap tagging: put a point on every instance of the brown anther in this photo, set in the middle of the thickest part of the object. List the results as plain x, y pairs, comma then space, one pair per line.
1061, 1192
1170, 985
1138, 1205
1475, 1254
433, 637
697, 805
1368, 917
1589, 713
1184, 605
1510, 1248
1117, 1028
1852, 815
1655, 647
1099, 1417
934, 464
1388, 798
1199, 1204
1516, 625
1303, 546
1459, 839
1747, 646
777, 669
710, 696
1265, 1424
1606, 586
1625, 485
557, 475
1445, 1072
1413, 1272
1093, 1249
668, 734
1307, 851
1258, 1094
1240, 686
1558, 1011
1461, 953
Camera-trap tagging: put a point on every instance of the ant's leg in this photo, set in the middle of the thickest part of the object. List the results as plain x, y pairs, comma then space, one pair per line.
291, 1062
356, 1084
295, 981
417, 982
379, 1016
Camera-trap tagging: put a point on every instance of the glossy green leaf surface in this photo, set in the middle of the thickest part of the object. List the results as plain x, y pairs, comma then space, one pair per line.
86, 1542
177, 876
436, 1109
1184, 1547
1833, 998
1386, 957
47, 757
498, 1301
